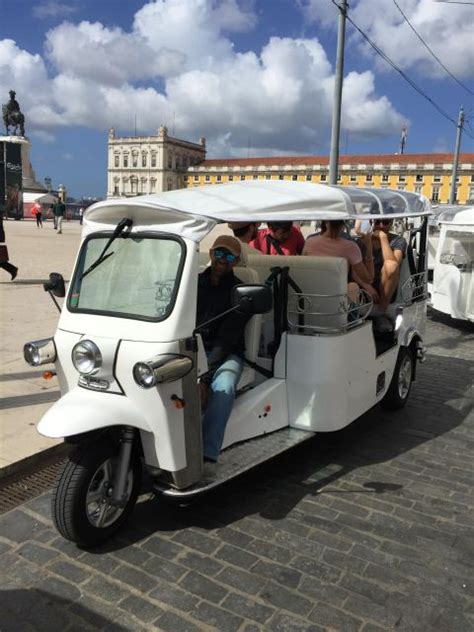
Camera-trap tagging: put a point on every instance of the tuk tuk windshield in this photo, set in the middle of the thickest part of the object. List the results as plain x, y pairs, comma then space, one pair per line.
138, 279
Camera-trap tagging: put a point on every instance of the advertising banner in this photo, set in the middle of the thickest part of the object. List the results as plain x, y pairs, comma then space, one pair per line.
2, 177
13, 181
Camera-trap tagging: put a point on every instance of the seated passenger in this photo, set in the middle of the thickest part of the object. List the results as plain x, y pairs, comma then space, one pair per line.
388, 252
280, 238
245, 232
330, 243
223, 341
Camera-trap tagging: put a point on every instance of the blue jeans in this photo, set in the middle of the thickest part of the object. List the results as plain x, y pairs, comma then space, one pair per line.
221, 399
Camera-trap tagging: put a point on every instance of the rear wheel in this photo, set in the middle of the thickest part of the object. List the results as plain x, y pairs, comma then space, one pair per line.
82, 506
399, 390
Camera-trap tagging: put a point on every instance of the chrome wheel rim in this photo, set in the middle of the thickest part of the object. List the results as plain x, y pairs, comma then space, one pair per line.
100, 511
404, 377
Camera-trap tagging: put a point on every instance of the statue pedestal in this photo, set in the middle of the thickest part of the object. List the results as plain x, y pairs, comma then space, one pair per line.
29, 182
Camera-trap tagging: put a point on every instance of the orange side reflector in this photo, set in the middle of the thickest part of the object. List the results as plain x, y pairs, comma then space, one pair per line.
178, 402
48, 375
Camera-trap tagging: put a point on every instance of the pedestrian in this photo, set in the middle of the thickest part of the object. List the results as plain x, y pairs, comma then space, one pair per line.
38, 213
280, 238
81, 215
51, 208
59, 210
4, 262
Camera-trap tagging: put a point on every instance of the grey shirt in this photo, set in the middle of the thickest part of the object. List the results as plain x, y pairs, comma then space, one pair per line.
396, 243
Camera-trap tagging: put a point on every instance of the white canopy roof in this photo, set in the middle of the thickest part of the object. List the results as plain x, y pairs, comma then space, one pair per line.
456, 215
193, 212
42, 198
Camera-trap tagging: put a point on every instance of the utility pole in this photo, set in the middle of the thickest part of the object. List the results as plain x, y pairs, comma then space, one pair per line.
452, 194
403, 139
338, 79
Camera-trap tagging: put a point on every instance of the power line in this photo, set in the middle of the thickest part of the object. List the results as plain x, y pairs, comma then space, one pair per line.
400, 71
429, 49
455, 2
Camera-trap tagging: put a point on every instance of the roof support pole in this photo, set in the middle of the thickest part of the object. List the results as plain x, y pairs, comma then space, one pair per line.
452, 193
338, 79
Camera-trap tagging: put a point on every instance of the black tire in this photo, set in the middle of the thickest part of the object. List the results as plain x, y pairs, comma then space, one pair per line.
81, 486
399, 390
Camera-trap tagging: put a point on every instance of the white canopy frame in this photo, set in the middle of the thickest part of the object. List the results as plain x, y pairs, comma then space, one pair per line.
193, 212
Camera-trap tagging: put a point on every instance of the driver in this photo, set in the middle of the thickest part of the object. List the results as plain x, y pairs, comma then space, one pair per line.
223, 341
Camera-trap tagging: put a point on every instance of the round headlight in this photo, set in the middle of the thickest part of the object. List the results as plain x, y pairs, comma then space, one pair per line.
86, 357
144, 375
31, 354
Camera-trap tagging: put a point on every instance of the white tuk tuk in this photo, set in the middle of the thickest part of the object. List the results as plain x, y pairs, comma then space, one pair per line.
451, 257
128, 354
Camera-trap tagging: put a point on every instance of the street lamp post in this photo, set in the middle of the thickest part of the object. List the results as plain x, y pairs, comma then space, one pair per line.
338, 79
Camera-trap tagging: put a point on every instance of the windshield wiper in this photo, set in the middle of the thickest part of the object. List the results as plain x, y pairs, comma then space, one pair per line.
119, 230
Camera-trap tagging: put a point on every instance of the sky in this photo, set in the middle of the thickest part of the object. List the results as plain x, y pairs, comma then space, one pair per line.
254, 77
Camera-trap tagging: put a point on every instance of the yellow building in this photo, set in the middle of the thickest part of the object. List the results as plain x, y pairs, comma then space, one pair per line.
429, 174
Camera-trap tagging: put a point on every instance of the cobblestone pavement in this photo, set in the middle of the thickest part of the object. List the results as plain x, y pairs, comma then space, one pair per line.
366, 529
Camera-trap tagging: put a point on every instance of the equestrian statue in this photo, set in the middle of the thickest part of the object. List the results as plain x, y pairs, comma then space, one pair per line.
13, 116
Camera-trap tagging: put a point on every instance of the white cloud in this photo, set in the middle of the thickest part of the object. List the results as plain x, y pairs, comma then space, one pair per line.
447, 30
53, 9
177, 65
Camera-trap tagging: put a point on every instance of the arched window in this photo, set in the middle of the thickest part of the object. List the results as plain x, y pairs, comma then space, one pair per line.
143, 160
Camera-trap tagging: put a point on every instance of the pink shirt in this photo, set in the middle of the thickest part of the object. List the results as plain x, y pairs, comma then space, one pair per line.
325, 247
293, 245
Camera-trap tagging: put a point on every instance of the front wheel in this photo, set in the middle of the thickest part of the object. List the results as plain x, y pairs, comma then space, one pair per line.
82, 506
397, 395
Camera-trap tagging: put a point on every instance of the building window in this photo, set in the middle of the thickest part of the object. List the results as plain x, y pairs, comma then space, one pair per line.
308, 177
170, 184
231, 177
281, 177
338, 177
268, 176
170, 161
116, 161
196, 178
135, 160
294, 176
208, 178
402, 178
255, 176
143, 160
153, 160
242, 176
385, 177
418, 178
323, 177
125, 161
435, 194
436, 178
152, 186
471, 194
353, 178
418, 188
369, 177
185, 178
116, 190
219, 177
401, 187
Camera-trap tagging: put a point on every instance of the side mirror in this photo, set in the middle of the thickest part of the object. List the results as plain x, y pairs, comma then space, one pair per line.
252, 299
55, 285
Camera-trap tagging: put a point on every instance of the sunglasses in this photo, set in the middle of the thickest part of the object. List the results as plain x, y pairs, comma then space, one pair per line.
224, 254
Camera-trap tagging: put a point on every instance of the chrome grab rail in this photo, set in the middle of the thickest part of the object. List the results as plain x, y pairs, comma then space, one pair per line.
312, 305
415, 287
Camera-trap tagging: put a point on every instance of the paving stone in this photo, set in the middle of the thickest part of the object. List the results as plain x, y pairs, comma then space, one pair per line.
203, 587
213, 616
319, 569
158, 567
162, 547
132, 555
133, 577
94, 613
143, 609
236, 556
241, 580
359, 606
37, 554
170, 622
345, 561
333, 618
372, 590
105, 589
100, 562
279, 597
73, 573
232, 536
248, 608
279, 573
289, 623
322, 591
272, 551
17, 526
200, 563
170, 594
197, 541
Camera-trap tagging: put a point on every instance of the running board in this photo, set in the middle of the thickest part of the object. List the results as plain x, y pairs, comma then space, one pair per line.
238, 459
